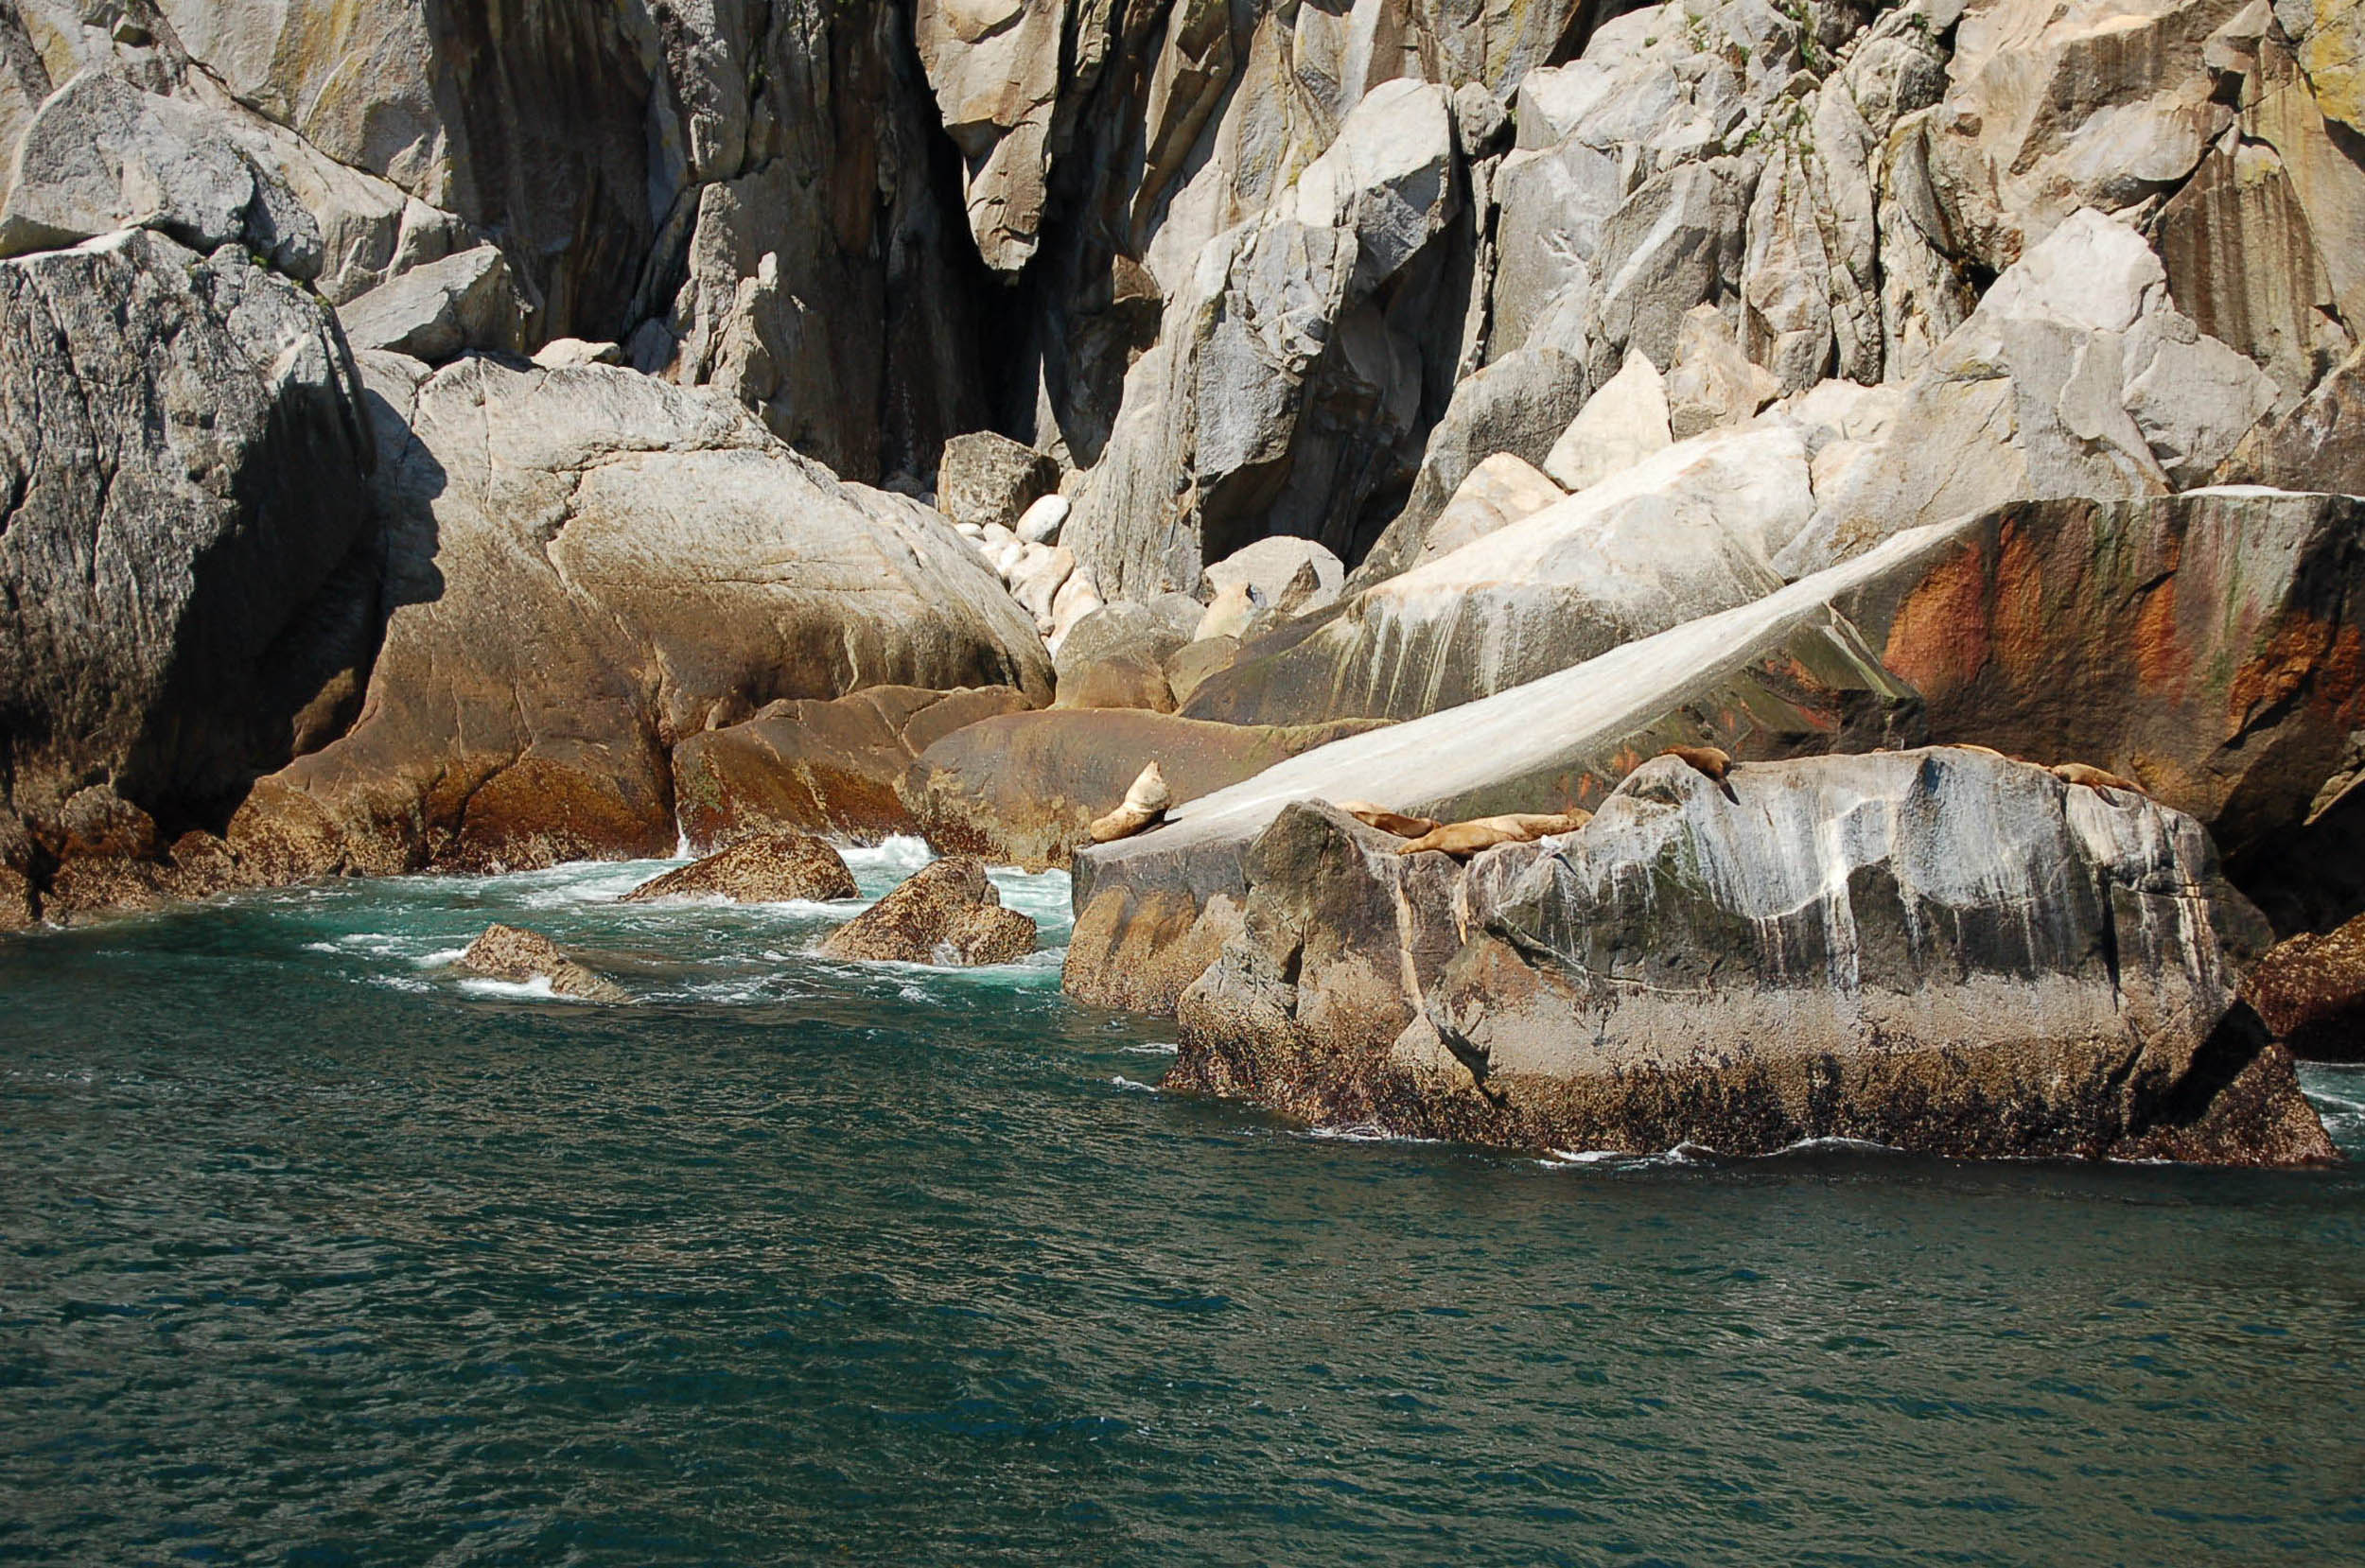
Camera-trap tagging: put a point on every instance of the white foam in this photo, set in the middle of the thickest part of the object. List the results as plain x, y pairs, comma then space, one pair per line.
1130, 1086
1150, 1050
537, 989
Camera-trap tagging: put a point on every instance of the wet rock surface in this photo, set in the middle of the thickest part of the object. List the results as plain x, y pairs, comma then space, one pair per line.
764, 869
521, 957
561, 620
946, 913
2310, 990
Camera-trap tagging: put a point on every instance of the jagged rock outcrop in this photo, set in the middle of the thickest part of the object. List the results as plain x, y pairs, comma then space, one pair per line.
2074, 376
1290, 381
561, 620
522, 957
812, 766
187, 565
946, 913
1987, 962
763, 868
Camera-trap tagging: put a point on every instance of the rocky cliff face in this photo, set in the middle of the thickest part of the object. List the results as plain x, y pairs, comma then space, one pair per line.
482, 434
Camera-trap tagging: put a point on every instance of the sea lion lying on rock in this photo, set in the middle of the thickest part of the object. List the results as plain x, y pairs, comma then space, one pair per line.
1146, 803
1463, 839
1388, 821
1708, 760
2096, 779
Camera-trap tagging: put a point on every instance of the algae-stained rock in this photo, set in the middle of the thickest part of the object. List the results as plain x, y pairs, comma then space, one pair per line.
947, 913
2207, 645
1025, 790
816, 766
186, 563
1940, 951
522, 957
564, 615
768, 869
2310, 991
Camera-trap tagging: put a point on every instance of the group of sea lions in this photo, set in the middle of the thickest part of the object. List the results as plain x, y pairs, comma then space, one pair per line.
1145, 805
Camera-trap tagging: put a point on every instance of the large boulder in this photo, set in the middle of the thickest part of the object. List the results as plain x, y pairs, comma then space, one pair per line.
1938, 951
767, 868
562, 620
1023, 790
816, 766
433, 312
105, 152
1116, 655
984, 477
947, 913
1515, 408
2310, 991
1678, 536
188, 567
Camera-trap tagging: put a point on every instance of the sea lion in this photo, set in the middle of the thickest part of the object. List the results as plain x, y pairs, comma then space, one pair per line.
1388, 821
1708, 760
1145, 804
1463, 839
1973, 745
2096, 779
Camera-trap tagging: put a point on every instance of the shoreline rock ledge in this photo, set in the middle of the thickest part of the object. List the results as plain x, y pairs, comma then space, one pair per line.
1940, 951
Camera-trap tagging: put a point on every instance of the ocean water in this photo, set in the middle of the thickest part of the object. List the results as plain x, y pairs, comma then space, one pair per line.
313, 1253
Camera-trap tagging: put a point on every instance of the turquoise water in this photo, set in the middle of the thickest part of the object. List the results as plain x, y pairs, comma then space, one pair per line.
313, 1253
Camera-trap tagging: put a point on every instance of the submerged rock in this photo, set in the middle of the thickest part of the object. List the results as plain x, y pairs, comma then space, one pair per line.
521, 957
947, 913
768, 870
1940, 951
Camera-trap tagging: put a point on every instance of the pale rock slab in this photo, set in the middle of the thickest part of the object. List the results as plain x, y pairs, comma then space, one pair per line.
1624, 422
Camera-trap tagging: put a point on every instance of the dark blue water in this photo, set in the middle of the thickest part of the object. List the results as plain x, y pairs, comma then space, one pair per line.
311, 1254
